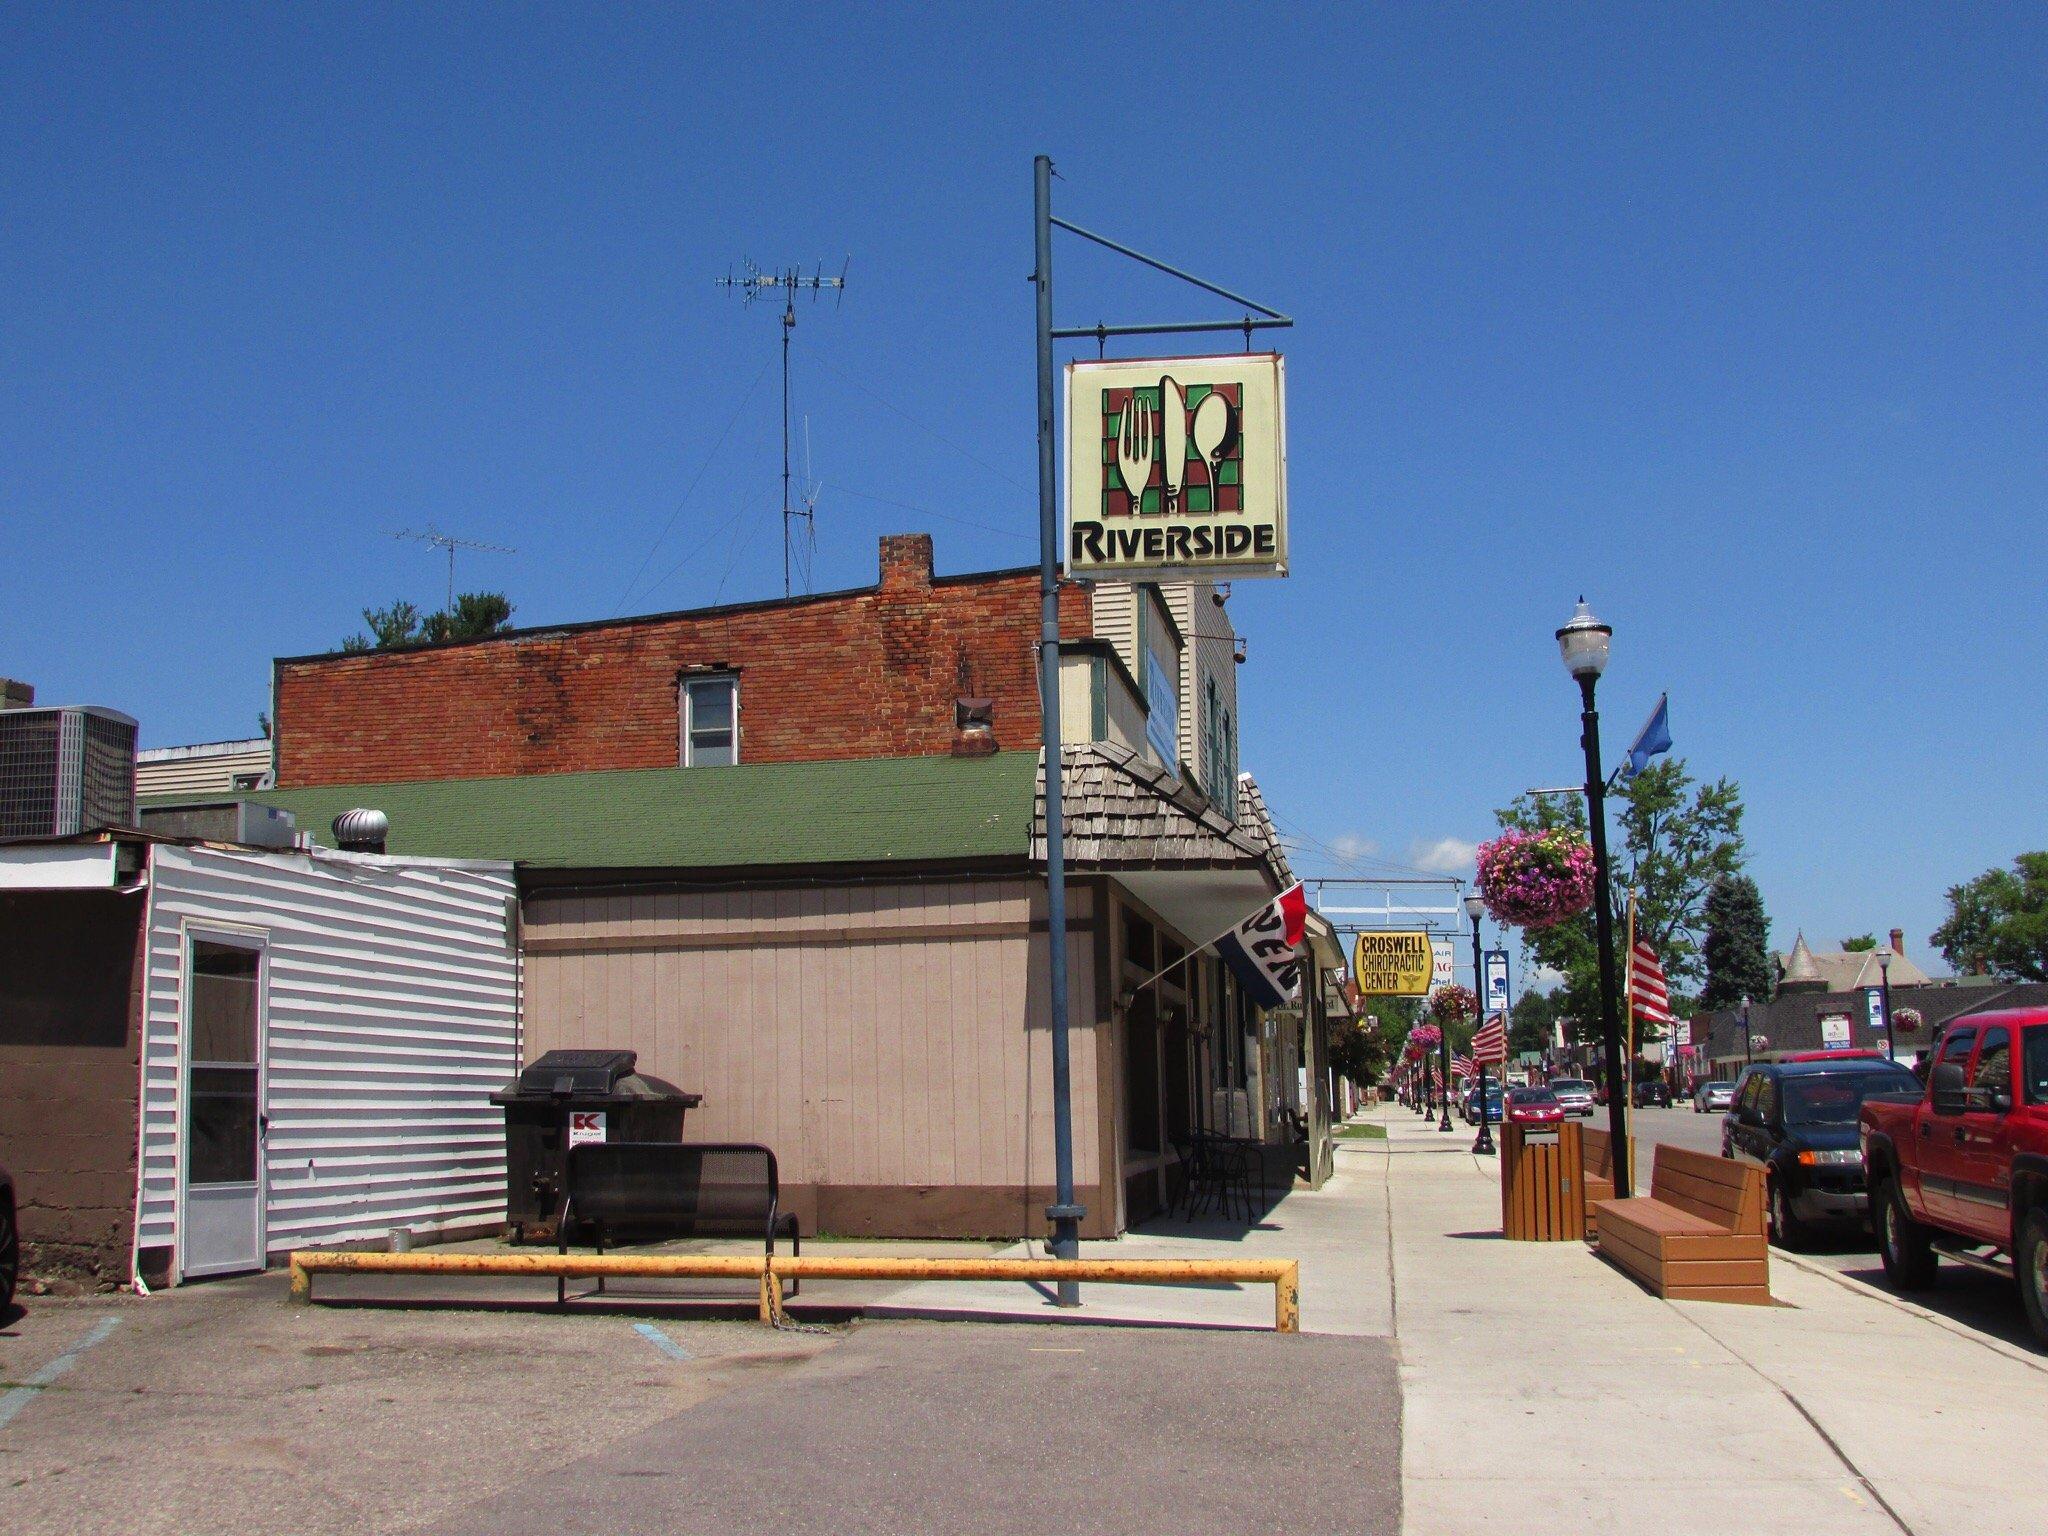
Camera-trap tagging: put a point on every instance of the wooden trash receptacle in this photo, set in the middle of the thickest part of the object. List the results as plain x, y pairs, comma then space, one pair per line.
1542, 1194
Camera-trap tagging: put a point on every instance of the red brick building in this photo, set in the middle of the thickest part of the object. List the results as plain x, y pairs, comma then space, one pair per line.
873, 672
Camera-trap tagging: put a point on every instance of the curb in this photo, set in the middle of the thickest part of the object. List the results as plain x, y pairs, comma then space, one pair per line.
1947, 1325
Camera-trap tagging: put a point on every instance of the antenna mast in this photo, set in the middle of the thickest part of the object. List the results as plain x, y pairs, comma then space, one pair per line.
789, 280
430, 535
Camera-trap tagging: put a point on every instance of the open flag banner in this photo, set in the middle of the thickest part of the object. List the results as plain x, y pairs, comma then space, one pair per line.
1654, 738
1646, 985
1464, 1066
1490, 1041
1261, 950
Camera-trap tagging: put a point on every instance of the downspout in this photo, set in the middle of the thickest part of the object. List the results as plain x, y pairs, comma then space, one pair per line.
140, 1010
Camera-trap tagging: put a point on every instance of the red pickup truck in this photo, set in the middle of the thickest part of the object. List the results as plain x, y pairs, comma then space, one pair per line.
1962, 1172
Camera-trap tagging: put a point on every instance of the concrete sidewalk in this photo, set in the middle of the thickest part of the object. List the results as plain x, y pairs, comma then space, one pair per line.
1538, 1379
1338, 1233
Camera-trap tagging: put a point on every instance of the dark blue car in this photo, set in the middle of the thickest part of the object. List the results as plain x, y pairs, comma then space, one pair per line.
1797, 1121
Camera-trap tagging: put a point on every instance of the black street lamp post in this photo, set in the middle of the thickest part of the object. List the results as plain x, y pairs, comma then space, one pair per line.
1583, 644
1443, 1054
1748, 1055
1884, 980
1483, 1144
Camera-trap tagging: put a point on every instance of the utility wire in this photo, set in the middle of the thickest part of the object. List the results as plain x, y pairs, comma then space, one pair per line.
685, 501
924, 426
909, 506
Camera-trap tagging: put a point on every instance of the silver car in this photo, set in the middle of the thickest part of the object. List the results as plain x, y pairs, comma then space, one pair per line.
1575, 1094
1712, 1098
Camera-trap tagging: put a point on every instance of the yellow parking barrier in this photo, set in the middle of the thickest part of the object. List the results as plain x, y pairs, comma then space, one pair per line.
1284, 1275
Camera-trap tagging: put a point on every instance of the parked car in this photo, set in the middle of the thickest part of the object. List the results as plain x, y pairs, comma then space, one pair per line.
1797, 1121
1575, 1094
1534, 1106
10, 1242
1712, 1098
1653, 1091
1961, 1171
1470, 1107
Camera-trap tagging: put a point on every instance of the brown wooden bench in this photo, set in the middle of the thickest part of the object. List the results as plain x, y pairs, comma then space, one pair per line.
1698, 1235
1597, 1159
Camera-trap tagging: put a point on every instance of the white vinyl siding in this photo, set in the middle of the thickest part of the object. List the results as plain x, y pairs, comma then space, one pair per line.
393, 1014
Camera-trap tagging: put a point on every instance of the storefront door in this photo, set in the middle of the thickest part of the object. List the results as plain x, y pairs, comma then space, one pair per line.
221, 1229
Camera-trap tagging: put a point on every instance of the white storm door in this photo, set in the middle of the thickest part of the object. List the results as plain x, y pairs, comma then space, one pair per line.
222, 1227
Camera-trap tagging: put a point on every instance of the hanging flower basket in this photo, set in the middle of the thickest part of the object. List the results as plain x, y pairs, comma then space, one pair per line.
1536, 879
1908, 1021
1426, 1037
1453, 1005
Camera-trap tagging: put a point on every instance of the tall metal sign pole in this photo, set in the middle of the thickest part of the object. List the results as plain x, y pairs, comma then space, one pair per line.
1064, 1213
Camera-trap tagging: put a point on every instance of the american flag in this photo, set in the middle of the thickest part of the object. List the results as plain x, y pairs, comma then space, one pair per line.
1464, 1066
1490, 1040
1646, 985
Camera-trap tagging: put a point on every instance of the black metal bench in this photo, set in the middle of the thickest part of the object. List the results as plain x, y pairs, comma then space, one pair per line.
673, 1189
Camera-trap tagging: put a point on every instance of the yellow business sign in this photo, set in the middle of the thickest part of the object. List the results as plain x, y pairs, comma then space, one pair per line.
1392, 964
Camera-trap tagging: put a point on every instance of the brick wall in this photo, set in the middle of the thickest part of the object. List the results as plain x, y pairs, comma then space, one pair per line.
866, 674
71, 976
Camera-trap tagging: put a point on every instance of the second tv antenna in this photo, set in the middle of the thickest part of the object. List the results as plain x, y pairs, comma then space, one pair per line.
791, 281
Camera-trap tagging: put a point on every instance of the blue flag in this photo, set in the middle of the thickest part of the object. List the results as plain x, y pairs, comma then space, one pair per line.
1653, 738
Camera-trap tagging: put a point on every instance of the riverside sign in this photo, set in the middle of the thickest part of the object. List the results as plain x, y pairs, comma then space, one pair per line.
1177, 468
1392, 964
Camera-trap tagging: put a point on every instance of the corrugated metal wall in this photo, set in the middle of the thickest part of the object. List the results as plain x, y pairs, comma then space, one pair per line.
393, 1002
889, 1034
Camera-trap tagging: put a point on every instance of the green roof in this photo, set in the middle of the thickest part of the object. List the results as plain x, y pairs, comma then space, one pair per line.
869, 811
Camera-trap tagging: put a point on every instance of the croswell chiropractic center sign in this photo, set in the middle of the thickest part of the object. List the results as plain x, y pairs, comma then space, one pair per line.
1392, 964
1177, 468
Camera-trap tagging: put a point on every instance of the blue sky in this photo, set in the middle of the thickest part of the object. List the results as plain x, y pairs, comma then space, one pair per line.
1731, 319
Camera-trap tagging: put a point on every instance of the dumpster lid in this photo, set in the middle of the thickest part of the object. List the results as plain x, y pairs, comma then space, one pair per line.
575, 1073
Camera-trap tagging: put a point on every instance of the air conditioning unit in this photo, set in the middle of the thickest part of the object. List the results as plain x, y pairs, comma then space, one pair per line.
64, 771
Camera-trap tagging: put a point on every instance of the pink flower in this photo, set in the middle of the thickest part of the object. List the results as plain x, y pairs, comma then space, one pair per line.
1536, 879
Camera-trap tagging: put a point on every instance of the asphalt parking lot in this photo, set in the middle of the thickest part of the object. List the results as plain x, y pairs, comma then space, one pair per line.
221, 1408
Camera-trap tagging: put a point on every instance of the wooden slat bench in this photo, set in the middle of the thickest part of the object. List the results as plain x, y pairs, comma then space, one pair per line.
1597, 1156
1698, 1235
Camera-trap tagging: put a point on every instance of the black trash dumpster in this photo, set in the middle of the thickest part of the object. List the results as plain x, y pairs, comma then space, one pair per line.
563, 1100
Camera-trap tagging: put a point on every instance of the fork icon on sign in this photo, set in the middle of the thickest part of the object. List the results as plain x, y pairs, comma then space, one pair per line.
1137, 445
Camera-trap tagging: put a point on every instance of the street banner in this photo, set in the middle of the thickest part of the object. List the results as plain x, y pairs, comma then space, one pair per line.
1442, 959
1873, 1011
1392, 964
1177, 468
1262, 950
1496, 998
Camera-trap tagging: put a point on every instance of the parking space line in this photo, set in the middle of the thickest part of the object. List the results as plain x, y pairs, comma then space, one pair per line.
13, 1402
661, 1341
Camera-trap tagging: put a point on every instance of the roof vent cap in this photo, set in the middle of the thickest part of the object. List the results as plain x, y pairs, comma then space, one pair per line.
362, 830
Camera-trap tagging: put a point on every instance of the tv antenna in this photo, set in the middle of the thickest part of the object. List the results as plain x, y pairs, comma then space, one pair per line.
791, 281
431, 535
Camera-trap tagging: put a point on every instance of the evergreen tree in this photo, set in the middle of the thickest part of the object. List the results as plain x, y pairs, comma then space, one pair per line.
1737, 956
474, 615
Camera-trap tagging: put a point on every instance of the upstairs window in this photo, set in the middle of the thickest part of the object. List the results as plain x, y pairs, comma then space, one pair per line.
711, 721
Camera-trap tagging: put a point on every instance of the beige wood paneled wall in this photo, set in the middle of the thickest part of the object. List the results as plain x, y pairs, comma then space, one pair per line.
873, 1034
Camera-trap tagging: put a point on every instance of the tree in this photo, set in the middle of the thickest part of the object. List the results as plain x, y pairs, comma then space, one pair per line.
1862, 943
1998, 922
1677, 838
1738, 959
1531, 1021
474, 615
